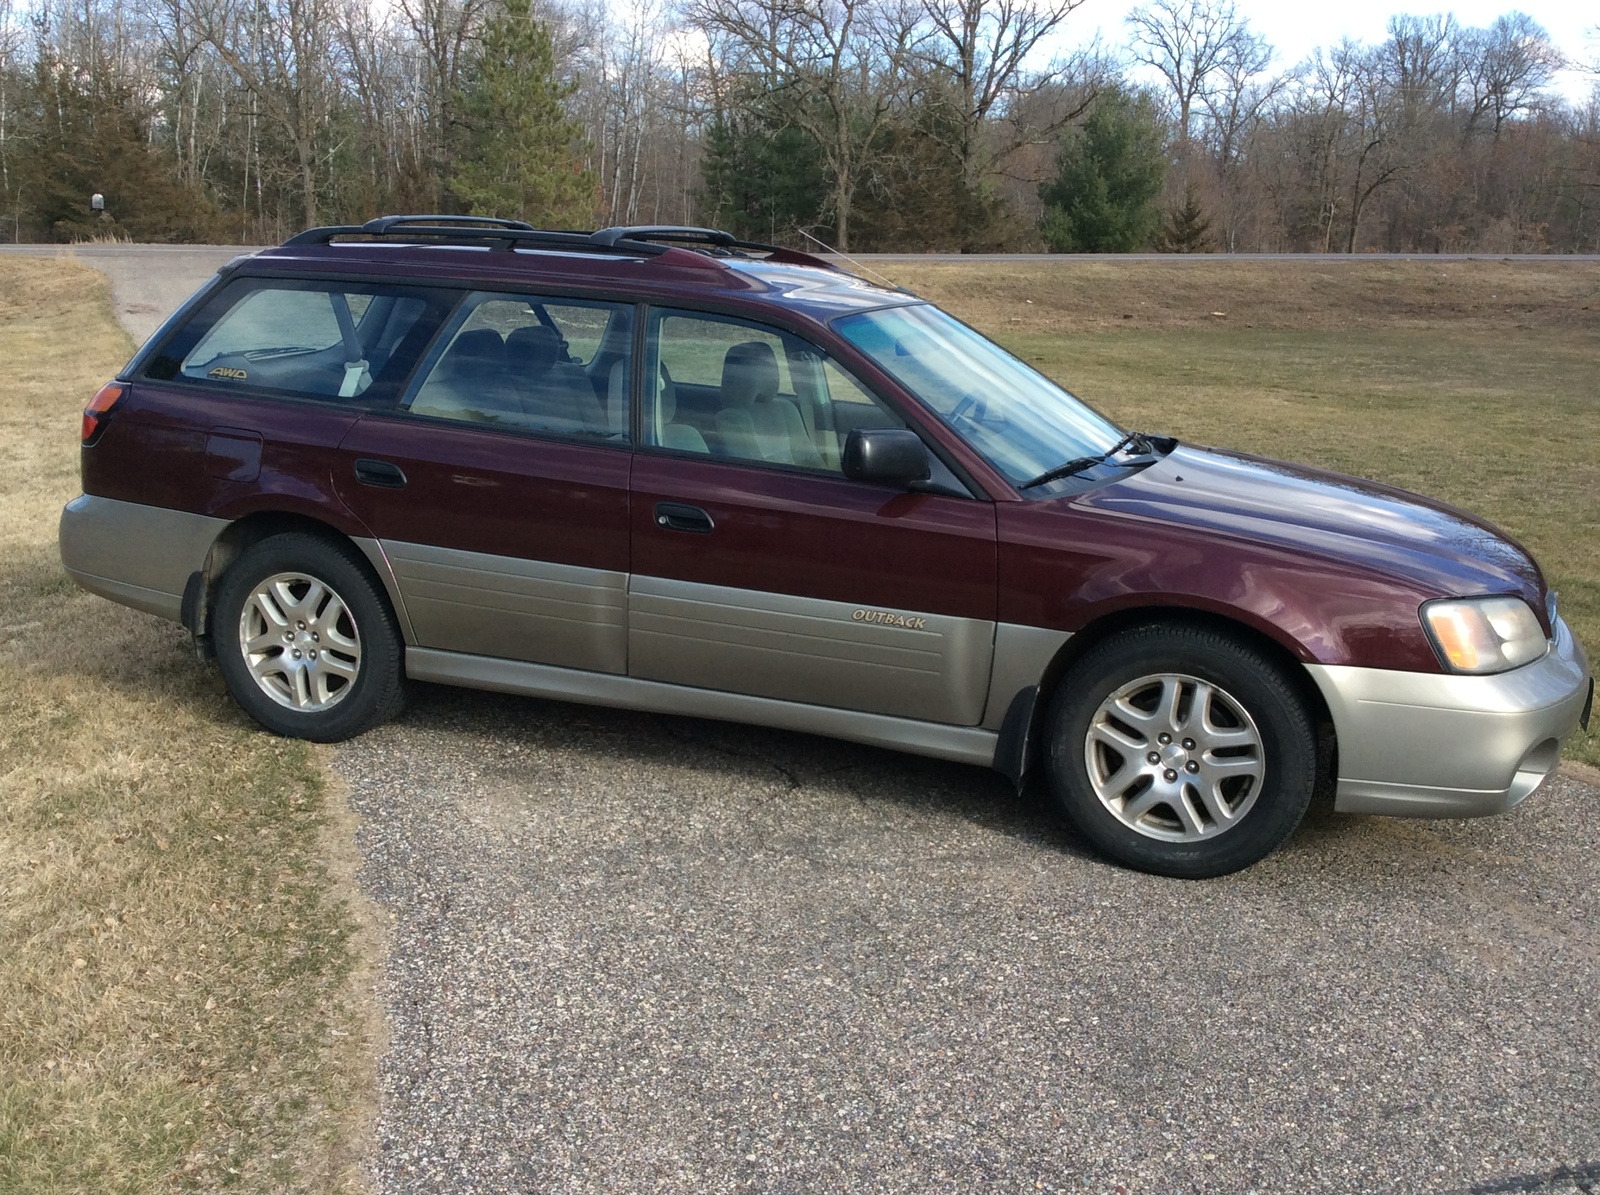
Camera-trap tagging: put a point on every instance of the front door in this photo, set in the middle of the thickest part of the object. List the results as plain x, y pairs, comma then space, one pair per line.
759, 568
499, 487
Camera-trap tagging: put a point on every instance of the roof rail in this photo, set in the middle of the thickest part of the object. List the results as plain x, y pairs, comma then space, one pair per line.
466, 230
712, 238
634, 241
385, 224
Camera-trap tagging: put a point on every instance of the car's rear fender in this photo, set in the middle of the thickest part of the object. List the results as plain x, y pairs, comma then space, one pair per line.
200, 588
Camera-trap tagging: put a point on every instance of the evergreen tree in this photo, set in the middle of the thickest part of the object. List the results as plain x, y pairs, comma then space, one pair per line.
915, 195
1108, 175
92, 138
762, 176
1188, 227
520, 153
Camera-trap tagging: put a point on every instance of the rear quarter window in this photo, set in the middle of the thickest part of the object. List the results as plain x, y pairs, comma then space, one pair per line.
336, 341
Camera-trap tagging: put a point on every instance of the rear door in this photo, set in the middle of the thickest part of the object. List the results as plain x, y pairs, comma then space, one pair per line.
759, 568
243, 407
498, 488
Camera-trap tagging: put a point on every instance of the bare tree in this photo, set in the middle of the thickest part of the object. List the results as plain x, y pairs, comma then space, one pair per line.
281, 52
11, 40
1422, 55
836, 62
625, 102
982, 48
1508, 66
1378, 122
1188, 42
444, 31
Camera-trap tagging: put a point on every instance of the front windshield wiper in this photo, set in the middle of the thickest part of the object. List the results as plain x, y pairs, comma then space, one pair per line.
1138, 441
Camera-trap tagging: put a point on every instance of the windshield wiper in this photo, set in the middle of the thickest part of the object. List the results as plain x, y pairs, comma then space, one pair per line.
1138, 441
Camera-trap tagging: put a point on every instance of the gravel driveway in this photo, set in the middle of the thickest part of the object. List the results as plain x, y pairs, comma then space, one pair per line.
634, 953
638, 954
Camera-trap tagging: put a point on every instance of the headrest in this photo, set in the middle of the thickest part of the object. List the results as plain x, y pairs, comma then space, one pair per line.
533, 348
749, 374
617, 395
482, 347
667, 398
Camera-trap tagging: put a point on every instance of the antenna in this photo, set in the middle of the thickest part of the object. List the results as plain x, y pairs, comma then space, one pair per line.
827, 248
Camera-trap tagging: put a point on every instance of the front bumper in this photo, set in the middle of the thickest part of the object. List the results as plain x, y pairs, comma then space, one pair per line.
1418, 744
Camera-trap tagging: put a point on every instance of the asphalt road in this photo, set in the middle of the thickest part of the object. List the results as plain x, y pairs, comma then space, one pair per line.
638, 953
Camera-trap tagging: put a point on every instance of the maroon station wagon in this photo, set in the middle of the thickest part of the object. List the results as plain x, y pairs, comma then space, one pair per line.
664, 469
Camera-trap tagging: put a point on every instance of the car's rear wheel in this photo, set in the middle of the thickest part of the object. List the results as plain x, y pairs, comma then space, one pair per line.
1181, 751
306, 642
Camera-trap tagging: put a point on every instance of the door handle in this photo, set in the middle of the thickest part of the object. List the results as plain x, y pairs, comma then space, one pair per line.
380, 473
675, 516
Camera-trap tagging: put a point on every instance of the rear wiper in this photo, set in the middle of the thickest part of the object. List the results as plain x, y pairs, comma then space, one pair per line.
1138, 441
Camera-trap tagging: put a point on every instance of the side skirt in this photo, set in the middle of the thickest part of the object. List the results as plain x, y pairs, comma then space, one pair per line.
963, 744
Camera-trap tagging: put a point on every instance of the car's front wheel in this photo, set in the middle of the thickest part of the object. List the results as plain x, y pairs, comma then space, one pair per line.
306, 643
1181, 751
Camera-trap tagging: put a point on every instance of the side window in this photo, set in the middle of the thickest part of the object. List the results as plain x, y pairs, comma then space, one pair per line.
337, 341
520, 362
727, 388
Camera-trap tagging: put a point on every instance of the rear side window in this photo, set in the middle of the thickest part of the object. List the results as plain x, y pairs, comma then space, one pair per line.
351, 342
532, 364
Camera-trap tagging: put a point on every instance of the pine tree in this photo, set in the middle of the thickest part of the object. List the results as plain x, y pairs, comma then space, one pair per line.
761, 175
1188, 227
521, 153
91, 136
1103, 196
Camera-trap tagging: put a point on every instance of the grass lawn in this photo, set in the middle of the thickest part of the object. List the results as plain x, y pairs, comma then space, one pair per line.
180, 972
1485, 393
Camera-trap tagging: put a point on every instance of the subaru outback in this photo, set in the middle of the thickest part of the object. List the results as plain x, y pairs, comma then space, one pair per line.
665, 469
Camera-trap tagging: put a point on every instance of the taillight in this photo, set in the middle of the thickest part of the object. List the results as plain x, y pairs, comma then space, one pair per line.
98, 412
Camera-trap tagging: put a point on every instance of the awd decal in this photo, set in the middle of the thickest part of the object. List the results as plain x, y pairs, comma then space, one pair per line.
887, 619
232, 375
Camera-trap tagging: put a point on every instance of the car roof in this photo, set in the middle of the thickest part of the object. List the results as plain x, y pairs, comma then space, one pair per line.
819, 291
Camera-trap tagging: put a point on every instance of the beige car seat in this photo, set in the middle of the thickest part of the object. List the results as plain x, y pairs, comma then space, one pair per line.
684, 437
754, 423
467, 382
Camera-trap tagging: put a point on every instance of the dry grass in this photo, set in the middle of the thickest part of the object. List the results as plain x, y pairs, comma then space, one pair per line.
182, 1001
1475, 382
1065, 295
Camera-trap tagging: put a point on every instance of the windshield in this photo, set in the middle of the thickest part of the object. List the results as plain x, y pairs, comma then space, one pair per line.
1020, 421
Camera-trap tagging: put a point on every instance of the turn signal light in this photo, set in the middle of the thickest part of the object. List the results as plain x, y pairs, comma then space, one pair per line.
98, 412
1484, 635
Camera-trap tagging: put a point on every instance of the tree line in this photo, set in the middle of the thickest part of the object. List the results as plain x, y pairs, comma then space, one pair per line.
862, 124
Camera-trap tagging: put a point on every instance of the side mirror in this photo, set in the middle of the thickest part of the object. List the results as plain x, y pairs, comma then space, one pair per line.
891, 455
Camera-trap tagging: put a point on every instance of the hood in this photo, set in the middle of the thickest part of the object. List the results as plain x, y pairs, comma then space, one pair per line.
1377, 527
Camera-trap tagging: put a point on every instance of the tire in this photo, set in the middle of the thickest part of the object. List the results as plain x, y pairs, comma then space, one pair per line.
1227, 784
306, 640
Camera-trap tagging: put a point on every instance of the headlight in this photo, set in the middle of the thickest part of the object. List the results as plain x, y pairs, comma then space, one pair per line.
1480, 635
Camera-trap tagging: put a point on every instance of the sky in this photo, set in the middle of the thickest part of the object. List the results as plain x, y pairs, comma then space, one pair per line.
1296, 27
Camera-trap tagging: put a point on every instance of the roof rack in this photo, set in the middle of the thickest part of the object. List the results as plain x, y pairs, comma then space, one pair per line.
631, 241
707, 240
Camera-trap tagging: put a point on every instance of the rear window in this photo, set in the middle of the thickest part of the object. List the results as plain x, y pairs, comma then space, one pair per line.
338, 341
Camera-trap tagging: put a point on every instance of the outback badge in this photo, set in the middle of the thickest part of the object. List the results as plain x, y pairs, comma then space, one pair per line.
885, 618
